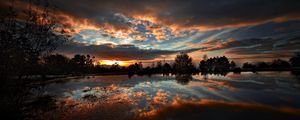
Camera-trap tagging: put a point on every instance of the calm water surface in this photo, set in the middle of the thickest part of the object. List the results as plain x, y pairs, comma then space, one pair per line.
263, 95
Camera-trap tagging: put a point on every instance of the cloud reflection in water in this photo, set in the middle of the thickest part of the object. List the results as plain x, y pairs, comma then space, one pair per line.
158, 97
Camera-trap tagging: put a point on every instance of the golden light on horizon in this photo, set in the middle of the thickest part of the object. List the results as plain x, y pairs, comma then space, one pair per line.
111, 62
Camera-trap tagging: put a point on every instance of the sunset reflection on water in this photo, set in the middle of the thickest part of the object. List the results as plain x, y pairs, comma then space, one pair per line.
164, 97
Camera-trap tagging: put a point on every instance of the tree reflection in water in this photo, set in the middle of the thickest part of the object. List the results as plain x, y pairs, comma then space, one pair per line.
183, 78
163, 97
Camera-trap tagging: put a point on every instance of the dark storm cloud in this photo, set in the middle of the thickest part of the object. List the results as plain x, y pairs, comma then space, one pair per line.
213, 13
117, 52
203, 13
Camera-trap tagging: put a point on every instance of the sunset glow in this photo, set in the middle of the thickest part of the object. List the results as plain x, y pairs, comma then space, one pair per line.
111, 62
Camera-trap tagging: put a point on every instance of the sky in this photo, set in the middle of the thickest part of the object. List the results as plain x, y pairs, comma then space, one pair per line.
153, 30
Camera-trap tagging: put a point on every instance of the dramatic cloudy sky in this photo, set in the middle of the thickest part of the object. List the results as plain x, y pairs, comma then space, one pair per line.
243, 30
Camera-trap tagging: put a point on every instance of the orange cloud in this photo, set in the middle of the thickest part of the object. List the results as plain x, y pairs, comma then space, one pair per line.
213, 44
178, 26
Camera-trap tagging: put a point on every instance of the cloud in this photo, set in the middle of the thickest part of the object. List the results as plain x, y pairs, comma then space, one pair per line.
178, 14
190, 13
282, 46
269, 40
214, 44
163, 27
265, 46
116, 52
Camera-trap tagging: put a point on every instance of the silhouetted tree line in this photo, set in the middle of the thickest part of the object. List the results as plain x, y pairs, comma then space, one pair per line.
216, 65
83, 64
182, 65
57, 64
276, 64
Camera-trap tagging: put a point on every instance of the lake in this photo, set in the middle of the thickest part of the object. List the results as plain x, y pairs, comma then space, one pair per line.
262, 95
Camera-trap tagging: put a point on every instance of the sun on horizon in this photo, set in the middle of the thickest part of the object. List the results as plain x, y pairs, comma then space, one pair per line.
111, 62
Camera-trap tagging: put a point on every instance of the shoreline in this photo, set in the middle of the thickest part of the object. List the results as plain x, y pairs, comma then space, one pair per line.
53, 78
126, 73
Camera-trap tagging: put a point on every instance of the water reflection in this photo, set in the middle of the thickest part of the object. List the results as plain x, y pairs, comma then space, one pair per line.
184, 78
161, 97
219, 110
223, 73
